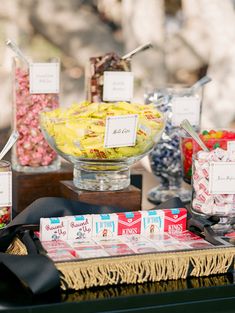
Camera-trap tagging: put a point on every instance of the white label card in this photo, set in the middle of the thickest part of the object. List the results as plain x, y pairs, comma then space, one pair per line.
118, 86
185, 108
5, 189
44, 78
120, 131
222, 178
231, 148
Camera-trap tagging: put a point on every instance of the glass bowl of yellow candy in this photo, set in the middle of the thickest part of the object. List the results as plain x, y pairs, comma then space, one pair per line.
79, 134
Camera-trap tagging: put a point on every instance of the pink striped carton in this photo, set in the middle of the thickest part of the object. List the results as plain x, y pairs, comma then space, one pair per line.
54, 228
79, 227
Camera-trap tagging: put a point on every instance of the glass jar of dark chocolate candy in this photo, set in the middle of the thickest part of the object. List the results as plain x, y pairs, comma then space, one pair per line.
178, 103
94, 81
5, 193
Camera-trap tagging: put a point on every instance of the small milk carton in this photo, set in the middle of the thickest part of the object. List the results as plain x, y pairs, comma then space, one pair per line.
129, 223
79, 227
175, 220
54, 228
105, 225
152, 222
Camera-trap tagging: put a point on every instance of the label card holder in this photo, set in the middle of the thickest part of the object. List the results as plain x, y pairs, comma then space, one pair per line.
222, 178
185, 108
120, 131
231, 148
44, 78
5, 189
118, 86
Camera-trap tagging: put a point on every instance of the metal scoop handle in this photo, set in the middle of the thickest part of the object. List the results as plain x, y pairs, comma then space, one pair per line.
17, 50
12, 139
189, 129
137, 50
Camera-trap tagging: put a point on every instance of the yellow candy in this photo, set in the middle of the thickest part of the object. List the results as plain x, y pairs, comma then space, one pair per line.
213, 135
79, 130
189, 145
95, 142
219, 134
128, 151
206, 137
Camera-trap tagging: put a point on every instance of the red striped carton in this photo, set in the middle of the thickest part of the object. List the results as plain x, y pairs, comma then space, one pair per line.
129, 223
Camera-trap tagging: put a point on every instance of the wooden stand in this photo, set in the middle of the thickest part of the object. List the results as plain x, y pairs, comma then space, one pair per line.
129, 198
27, 187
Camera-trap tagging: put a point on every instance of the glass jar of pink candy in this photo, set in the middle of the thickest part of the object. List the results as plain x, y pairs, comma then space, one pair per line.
35, 89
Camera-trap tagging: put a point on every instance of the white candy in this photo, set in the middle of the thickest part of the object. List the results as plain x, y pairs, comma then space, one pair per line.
203, 202
203, 196
220, 199
197, 205
203, 155
222, 209
198, 164
207, 209
220, 153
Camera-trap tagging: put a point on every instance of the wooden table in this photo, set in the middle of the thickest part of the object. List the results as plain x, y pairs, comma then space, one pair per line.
215, 294
205, 295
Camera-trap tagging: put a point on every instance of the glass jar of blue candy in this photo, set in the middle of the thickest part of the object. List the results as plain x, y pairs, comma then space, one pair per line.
179, 103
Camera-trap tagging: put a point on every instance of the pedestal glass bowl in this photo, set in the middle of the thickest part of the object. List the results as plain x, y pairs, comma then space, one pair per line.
79, 138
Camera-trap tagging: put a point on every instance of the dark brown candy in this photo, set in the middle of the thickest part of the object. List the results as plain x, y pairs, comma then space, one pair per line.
95, 75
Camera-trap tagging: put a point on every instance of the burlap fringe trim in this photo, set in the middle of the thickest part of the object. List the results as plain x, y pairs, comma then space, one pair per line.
140, 268
143, 268
17, 247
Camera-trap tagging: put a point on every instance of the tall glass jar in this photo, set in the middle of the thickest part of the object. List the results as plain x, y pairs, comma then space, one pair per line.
214, 138
5, 193
213, 187
178, 103
96, 67
33, 92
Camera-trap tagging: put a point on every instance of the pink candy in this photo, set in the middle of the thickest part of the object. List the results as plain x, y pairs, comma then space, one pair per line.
31, 149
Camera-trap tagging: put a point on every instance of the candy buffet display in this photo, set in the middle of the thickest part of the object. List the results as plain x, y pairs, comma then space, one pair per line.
5, 193
212, 138
81, 135
32, 152
213, 186
165, 159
